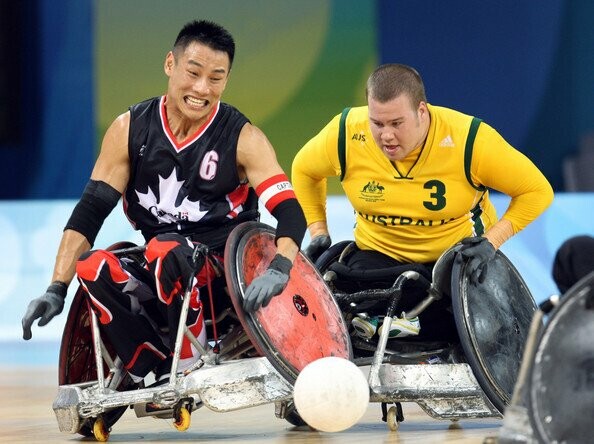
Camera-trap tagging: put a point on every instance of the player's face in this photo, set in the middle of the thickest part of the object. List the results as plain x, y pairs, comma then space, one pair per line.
398, 127
197, 79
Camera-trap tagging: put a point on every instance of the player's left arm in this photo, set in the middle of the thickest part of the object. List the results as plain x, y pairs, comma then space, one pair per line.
257, 161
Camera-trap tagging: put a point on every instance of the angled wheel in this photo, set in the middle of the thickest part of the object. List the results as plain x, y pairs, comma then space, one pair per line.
294, 418
493, 321
298, 326
77, 359
561, 381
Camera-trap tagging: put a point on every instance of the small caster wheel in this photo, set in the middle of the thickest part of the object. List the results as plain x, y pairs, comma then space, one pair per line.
392, 418
100, 432
182, 419
454, 425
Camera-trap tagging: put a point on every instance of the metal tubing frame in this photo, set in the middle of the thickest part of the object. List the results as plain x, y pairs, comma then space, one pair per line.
378, 356
97, 346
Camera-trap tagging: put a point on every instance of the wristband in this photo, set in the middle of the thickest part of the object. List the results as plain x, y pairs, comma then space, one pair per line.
59, 288
281, 263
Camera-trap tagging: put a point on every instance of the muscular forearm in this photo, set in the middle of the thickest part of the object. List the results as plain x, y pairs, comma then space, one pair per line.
500, 232
72, 245
286, 247
318, 229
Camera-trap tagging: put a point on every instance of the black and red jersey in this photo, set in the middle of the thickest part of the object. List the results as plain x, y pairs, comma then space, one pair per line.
190, 187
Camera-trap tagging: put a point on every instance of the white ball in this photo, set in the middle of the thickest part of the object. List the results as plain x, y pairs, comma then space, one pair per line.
331, 394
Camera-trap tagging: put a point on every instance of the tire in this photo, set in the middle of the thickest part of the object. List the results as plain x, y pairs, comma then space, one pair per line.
295, 419
330, 255
493, 321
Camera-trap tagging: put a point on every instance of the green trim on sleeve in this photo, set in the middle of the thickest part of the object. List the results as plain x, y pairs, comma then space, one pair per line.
477, 212
342, 142
474, 125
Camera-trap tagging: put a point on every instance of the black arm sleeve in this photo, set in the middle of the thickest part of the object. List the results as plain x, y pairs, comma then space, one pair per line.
95, 204
291, 220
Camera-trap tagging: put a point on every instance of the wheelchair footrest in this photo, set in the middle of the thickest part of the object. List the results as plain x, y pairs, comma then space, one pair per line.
224, 387
443, 390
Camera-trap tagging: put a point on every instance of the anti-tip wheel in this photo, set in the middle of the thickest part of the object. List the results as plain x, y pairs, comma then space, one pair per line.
454, 425
100, 432
182, 419
392, 419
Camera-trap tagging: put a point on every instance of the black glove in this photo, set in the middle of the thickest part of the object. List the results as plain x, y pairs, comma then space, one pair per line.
50, 304
271, 283
317, 246
478, 251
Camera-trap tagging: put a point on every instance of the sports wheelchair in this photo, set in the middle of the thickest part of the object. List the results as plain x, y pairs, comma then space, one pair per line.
552, 400
468, 374
254, 361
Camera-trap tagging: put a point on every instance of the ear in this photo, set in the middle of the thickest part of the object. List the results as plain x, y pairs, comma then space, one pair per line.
169, 62
422, 109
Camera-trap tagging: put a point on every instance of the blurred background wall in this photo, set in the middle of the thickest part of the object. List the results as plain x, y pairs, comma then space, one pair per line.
47, 95
81, 63
68, 68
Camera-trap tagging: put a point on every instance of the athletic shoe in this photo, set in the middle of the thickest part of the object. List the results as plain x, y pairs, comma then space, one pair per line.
432, 360
364, 326
402, 327
187, 365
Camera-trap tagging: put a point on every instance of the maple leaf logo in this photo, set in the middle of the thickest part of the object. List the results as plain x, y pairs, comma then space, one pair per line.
167, 209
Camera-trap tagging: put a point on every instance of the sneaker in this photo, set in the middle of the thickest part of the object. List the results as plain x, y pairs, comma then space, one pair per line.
364, 326
402, 327
432, 360
185, 366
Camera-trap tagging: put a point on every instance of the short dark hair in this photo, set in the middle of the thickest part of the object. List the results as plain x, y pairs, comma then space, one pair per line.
208, 33
391, 80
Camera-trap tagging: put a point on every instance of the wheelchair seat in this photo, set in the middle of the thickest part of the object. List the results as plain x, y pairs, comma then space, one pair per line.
352, 288
333, 263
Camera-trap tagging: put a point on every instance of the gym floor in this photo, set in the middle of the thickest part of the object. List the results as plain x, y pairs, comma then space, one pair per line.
26, 416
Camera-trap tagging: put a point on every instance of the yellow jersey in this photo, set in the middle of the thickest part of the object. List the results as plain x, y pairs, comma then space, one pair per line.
415, 209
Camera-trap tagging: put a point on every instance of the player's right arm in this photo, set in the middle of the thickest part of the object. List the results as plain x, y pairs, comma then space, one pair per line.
107, 183
112, 168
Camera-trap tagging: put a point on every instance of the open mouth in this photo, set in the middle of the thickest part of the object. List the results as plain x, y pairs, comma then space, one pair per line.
195, 103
